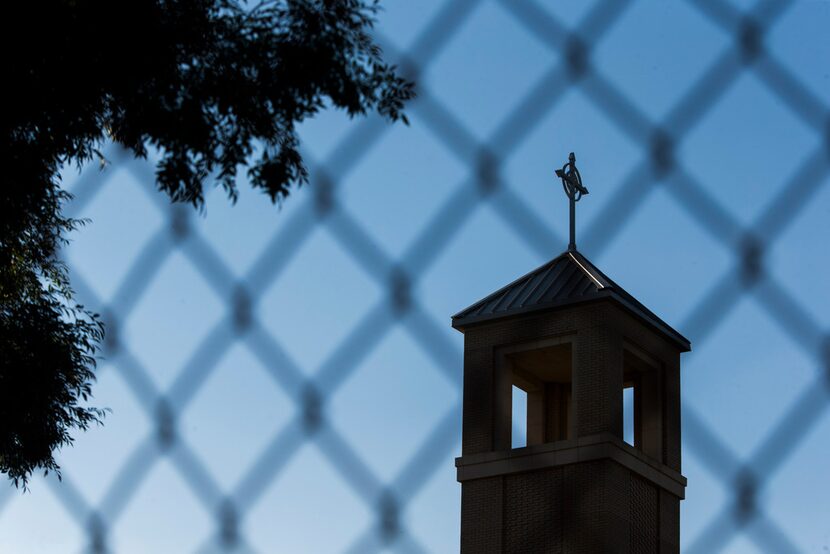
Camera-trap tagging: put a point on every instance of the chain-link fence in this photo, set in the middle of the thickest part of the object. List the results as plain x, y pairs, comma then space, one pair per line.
402, 306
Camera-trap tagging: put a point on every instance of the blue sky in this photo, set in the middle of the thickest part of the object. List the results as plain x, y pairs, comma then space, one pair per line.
746, 371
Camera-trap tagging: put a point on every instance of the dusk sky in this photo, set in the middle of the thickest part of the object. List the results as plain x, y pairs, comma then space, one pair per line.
324, 315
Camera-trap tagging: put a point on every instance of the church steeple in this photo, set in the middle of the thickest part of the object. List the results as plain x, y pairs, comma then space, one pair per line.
572, 340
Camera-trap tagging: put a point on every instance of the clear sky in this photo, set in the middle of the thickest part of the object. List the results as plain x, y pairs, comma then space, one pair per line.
324, 301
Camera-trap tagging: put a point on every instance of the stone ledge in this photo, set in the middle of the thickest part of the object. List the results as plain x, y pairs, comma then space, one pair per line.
594, 447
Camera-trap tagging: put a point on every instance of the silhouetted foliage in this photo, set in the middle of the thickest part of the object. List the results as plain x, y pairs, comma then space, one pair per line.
213, 85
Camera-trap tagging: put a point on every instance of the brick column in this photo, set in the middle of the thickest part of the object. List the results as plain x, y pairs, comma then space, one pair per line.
598, 381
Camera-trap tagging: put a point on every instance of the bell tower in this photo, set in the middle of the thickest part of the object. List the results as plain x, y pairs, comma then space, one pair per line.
572, 340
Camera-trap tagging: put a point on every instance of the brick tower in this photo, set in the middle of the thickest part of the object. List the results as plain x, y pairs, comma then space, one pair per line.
572, 340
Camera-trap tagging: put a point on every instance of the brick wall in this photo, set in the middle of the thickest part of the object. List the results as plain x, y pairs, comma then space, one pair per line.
580, 508
533, 505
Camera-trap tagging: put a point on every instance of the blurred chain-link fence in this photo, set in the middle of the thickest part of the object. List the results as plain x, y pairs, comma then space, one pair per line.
658, 142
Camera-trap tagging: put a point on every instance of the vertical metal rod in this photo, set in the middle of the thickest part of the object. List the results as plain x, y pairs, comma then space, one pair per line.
572, 184
572, 243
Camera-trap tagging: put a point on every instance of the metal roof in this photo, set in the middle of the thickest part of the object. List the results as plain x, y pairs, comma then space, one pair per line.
569, 278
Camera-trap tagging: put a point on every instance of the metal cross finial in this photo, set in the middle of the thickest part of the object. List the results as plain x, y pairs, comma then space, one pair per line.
572, 183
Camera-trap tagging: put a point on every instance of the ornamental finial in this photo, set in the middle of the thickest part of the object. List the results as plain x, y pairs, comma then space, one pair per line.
572, 183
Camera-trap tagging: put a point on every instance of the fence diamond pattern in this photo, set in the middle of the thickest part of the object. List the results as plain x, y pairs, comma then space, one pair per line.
399, 307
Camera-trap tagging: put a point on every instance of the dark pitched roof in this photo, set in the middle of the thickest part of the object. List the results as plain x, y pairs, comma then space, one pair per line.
567, 279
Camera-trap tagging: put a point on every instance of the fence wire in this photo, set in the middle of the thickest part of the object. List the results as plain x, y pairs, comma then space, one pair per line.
400, 308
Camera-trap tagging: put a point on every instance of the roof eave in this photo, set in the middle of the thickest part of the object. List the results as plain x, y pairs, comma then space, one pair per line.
462, 323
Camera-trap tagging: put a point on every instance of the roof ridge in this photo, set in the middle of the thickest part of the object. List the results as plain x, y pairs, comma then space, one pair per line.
593, 277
